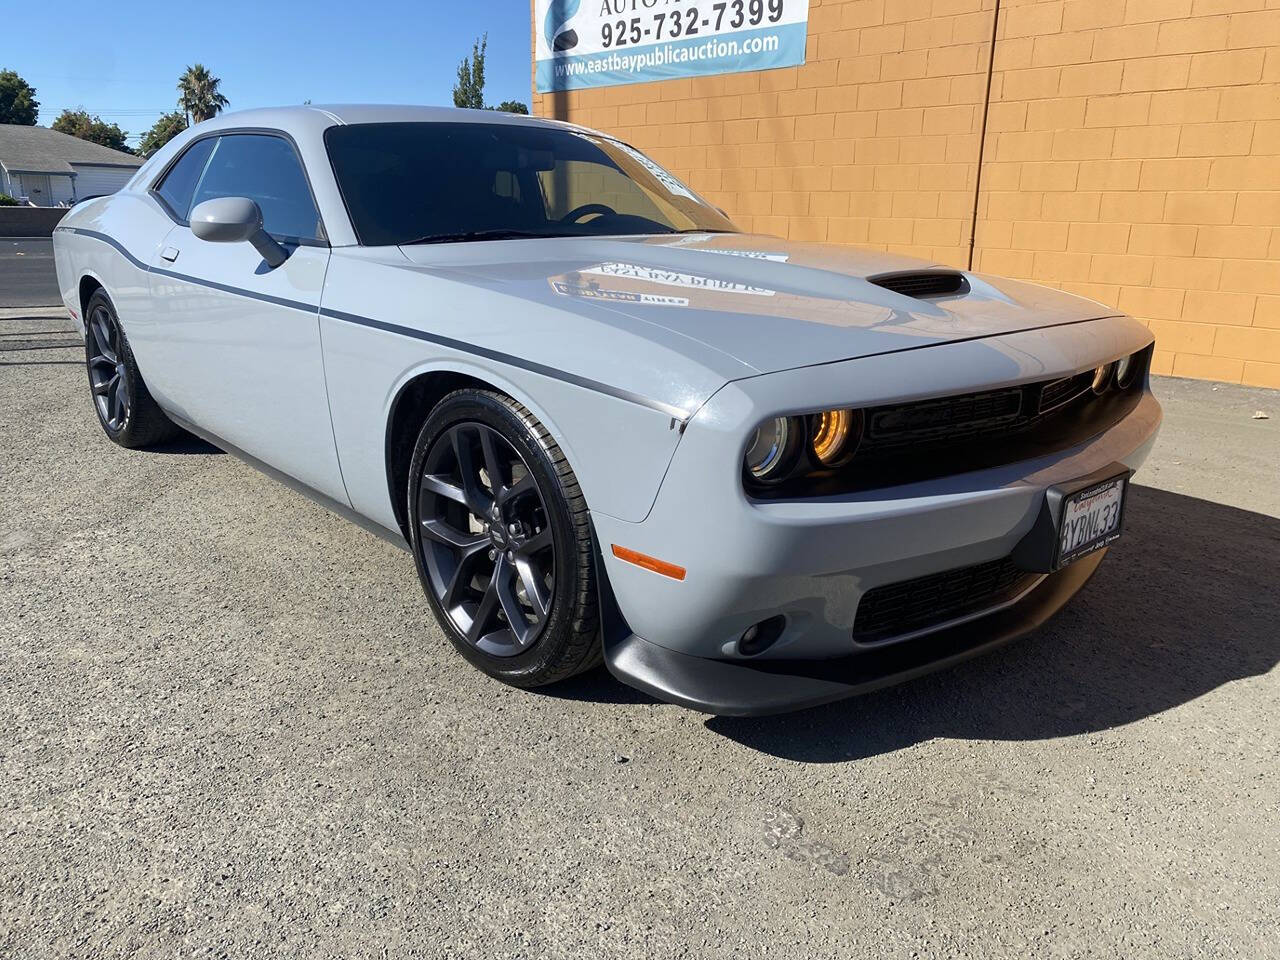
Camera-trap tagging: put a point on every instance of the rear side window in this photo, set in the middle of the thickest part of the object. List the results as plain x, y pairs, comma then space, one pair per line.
179, 184
265, 169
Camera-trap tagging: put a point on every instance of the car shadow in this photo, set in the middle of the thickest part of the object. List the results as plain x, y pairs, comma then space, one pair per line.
594, 686
186, 443
1186, 601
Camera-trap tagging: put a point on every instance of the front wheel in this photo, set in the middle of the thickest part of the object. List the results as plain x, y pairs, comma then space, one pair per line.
502, 540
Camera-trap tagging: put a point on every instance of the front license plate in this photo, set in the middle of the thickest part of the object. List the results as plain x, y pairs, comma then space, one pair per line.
1090, 519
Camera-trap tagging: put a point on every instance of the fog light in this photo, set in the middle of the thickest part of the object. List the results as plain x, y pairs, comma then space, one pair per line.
1102, 378
761, 636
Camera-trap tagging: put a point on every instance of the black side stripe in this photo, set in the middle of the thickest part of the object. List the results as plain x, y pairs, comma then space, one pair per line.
238, 291
510, 360
459, 345
110, 241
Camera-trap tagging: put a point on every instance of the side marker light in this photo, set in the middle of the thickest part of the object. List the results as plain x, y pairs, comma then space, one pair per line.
649, 563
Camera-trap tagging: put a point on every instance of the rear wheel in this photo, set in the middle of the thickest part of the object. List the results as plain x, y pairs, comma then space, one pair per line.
502, 540
128, 413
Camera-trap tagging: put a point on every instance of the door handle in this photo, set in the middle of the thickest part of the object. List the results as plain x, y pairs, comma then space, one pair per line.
169, 253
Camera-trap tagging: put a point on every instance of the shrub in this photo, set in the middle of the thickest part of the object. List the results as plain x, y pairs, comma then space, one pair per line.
7, 201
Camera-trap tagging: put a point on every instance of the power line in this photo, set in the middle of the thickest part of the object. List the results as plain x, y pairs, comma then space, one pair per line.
119, 113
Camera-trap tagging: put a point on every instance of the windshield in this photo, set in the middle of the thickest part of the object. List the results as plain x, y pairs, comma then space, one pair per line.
451, 182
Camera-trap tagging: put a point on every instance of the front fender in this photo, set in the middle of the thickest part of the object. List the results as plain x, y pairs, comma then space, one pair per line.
618, 450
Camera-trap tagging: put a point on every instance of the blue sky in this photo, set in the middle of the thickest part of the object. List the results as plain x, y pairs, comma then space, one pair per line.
122, 60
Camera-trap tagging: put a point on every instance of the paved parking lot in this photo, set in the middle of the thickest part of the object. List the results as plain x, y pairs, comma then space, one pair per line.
229, 727
26, 273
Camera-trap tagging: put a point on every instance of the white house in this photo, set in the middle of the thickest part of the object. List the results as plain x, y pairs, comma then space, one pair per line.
51, 169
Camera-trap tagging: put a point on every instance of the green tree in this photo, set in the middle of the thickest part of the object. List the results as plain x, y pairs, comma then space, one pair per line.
80, 124
18, 103
198, 93
161, 132
469, 90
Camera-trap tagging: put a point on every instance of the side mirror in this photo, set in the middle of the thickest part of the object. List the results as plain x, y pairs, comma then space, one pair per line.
235, 219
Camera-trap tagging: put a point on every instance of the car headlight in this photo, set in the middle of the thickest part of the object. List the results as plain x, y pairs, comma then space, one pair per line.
782, 448
1102, 378
1126, 367
834, 437
771, 452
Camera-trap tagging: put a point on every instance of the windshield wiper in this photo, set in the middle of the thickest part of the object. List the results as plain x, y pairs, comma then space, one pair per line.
498, 234
702, 230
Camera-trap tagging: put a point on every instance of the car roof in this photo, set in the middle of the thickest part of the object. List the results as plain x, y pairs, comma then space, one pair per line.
306, 125
310, 117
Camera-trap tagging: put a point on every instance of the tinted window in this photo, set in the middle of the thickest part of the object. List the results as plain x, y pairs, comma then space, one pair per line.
267, 170
406, 182
577, 182
179, 183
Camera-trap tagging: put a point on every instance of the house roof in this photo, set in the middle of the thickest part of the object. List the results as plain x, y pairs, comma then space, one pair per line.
41, 150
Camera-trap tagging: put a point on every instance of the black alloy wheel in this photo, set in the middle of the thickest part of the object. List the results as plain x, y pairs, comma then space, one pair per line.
128, 413
502, 540
490, 557
108, 377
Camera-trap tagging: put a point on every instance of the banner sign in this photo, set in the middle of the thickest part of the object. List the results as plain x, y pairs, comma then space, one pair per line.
599, 43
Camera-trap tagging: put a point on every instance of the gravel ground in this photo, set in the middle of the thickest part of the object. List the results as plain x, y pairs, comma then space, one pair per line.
229, 727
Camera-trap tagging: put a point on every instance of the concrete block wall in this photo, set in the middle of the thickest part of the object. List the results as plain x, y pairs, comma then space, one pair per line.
1133, 155
30, 221
1132, 152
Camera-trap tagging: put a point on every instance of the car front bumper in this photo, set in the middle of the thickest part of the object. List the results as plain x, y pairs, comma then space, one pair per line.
812, 560
757, 687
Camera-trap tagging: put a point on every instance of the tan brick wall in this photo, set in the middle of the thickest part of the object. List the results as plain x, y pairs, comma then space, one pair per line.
1132, 152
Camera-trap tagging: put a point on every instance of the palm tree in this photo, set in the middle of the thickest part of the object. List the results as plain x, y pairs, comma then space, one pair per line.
198, 93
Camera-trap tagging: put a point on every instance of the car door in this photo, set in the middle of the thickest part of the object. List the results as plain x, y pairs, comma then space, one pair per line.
239, 341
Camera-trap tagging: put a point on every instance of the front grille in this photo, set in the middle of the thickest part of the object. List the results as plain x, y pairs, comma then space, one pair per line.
900, 443
910, 605
923, 283
922, 438
949, 418
1058, 392
962, 419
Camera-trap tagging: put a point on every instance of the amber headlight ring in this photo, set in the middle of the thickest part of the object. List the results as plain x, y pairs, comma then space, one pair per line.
785, 448
834, 436
1127, 369
1102, 378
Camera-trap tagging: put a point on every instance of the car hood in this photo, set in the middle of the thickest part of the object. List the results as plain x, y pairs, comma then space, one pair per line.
768, 304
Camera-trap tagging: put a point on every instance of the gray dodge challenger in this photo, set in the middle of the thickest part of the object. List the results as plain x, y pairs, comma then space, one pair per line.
748, 474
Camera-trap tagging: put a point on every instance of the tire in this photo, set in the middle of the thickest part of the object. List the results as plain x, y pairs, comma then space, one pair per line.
487, 581
126, 410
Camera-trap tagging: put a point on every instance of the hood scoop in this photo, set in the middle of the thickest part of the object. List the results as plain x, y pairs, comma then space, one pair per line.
923, 284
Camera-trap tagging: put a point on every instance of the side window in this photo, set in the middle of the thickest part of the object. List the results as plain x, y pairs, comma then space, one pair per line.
179, 184
266, 170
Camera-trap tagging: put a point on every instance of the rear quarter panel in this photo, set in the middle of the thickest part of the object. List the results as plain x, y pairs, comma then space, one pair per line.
111, 240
